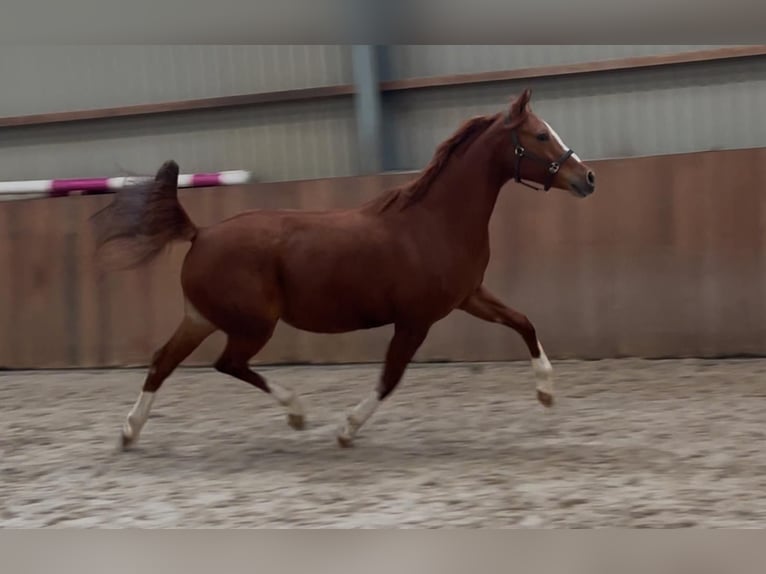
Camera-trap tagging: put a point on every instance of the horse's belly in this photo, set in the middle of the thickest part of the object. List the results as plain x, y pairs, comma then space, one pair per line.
330, 314
335, 302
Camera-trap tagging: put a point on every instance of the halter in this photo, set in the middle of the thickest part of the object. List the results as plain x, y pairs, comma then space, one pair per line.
520, 152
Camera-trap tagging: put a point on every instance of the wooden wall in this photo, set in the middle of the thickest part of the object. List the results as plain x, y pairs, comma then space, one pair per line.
666, 259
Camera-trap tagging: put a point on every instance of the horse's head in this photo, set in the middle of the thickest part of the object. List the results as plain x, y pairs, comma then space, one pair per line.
537, 153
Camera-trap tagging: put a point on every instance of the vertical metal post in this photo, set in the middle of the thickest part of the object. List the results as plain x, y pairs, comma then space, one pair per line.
388, 120
368, 108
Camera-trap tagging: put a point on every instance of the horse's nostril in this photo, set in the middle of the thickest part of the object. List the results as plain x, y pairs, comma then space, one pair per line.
591, 177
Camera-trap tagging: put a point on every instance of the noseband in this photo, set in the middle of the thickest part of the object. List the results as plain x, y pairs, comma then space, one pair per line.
521, 152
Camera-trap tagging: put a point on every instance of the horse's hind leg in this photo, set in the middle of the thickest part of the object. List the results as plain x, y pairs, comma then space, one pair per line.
401, 349
190, 333
234, 362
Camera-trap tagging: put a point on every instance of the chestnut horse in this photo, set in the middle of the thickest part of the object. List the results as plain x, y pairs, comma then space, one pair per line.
408, 258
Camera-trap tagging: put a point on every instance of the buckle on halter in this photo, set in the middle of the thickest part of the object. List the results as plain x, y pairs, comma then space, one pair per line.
553, 168
519, 151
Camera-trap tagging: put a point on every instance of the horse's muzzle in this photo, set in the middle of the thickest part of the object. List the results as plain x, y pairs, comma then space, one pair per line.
585, 186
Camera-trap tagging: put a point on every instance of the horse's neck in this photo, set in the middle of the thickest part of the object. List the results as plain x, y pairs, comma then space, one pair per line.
465, 193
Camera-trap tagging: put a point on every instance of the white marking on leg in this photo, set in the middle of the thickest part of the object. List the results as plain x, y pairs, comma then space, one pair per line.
359, 415
287, 398
543, 371
557, 137
137, 416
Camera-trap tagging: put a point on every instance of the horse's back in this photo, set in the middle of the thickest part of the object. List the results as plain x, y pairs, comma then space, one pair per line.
320, 271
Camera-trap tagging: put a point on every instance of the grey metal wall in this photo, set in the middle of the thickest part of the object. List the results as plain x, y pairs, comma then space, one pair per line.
40, 79
685, 108
276, 141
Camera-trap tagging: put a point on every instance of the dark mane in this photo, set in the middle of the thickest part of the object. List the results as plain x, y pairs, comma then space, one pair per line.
415, 190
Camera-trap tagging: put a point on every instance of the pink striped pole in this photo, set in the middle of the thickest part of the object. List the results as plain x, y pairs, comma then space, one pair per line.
29, 189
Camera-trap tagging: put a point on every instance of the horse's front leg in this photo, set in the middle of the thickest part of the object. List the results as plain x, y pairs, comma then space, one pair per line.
484, 305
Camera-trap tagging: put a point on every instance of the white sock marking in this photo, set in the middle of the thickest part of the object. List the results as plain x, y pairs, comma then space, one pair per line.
557, 137
287, 398
359, 415
366, 408
543, 371
138, 415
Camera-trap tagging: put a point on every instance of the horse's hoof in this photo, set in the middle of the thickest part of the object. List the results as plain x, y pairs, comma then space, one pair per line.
126, 442
344, 441
297, 422
546, 399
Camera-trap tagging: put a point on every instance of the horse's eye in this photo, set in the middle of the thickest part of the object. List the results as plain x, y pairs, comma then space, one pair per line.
543, 137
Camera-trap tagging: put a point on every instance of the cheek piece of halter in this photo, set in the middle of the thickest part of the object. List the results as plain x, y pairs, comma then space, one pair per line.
520, 153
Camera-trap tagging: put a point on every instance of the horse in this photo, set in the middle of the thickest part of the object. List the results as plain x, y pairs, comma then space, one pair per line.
408, 257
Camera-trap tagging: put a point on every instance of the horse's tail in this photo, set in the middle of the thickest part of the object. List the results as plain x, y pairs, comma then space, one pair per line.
142, 220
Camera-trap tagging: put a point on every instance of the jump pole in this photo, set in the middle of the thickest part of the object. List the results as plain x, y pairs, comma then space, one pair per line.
32, 189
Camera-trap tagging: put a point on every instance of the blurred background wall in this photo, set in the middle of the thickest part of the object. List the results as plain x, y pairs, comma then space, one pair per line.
666, 259
294, 132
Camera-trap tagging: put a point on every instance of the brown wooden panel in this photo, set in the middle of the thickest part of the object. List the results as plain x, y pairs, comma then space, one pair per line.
41, 295
92, 317
8, 352
665, 259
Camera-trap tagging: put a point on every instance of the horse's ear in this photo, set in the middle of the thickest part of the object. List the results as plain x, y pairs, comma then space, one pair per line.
519, 105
